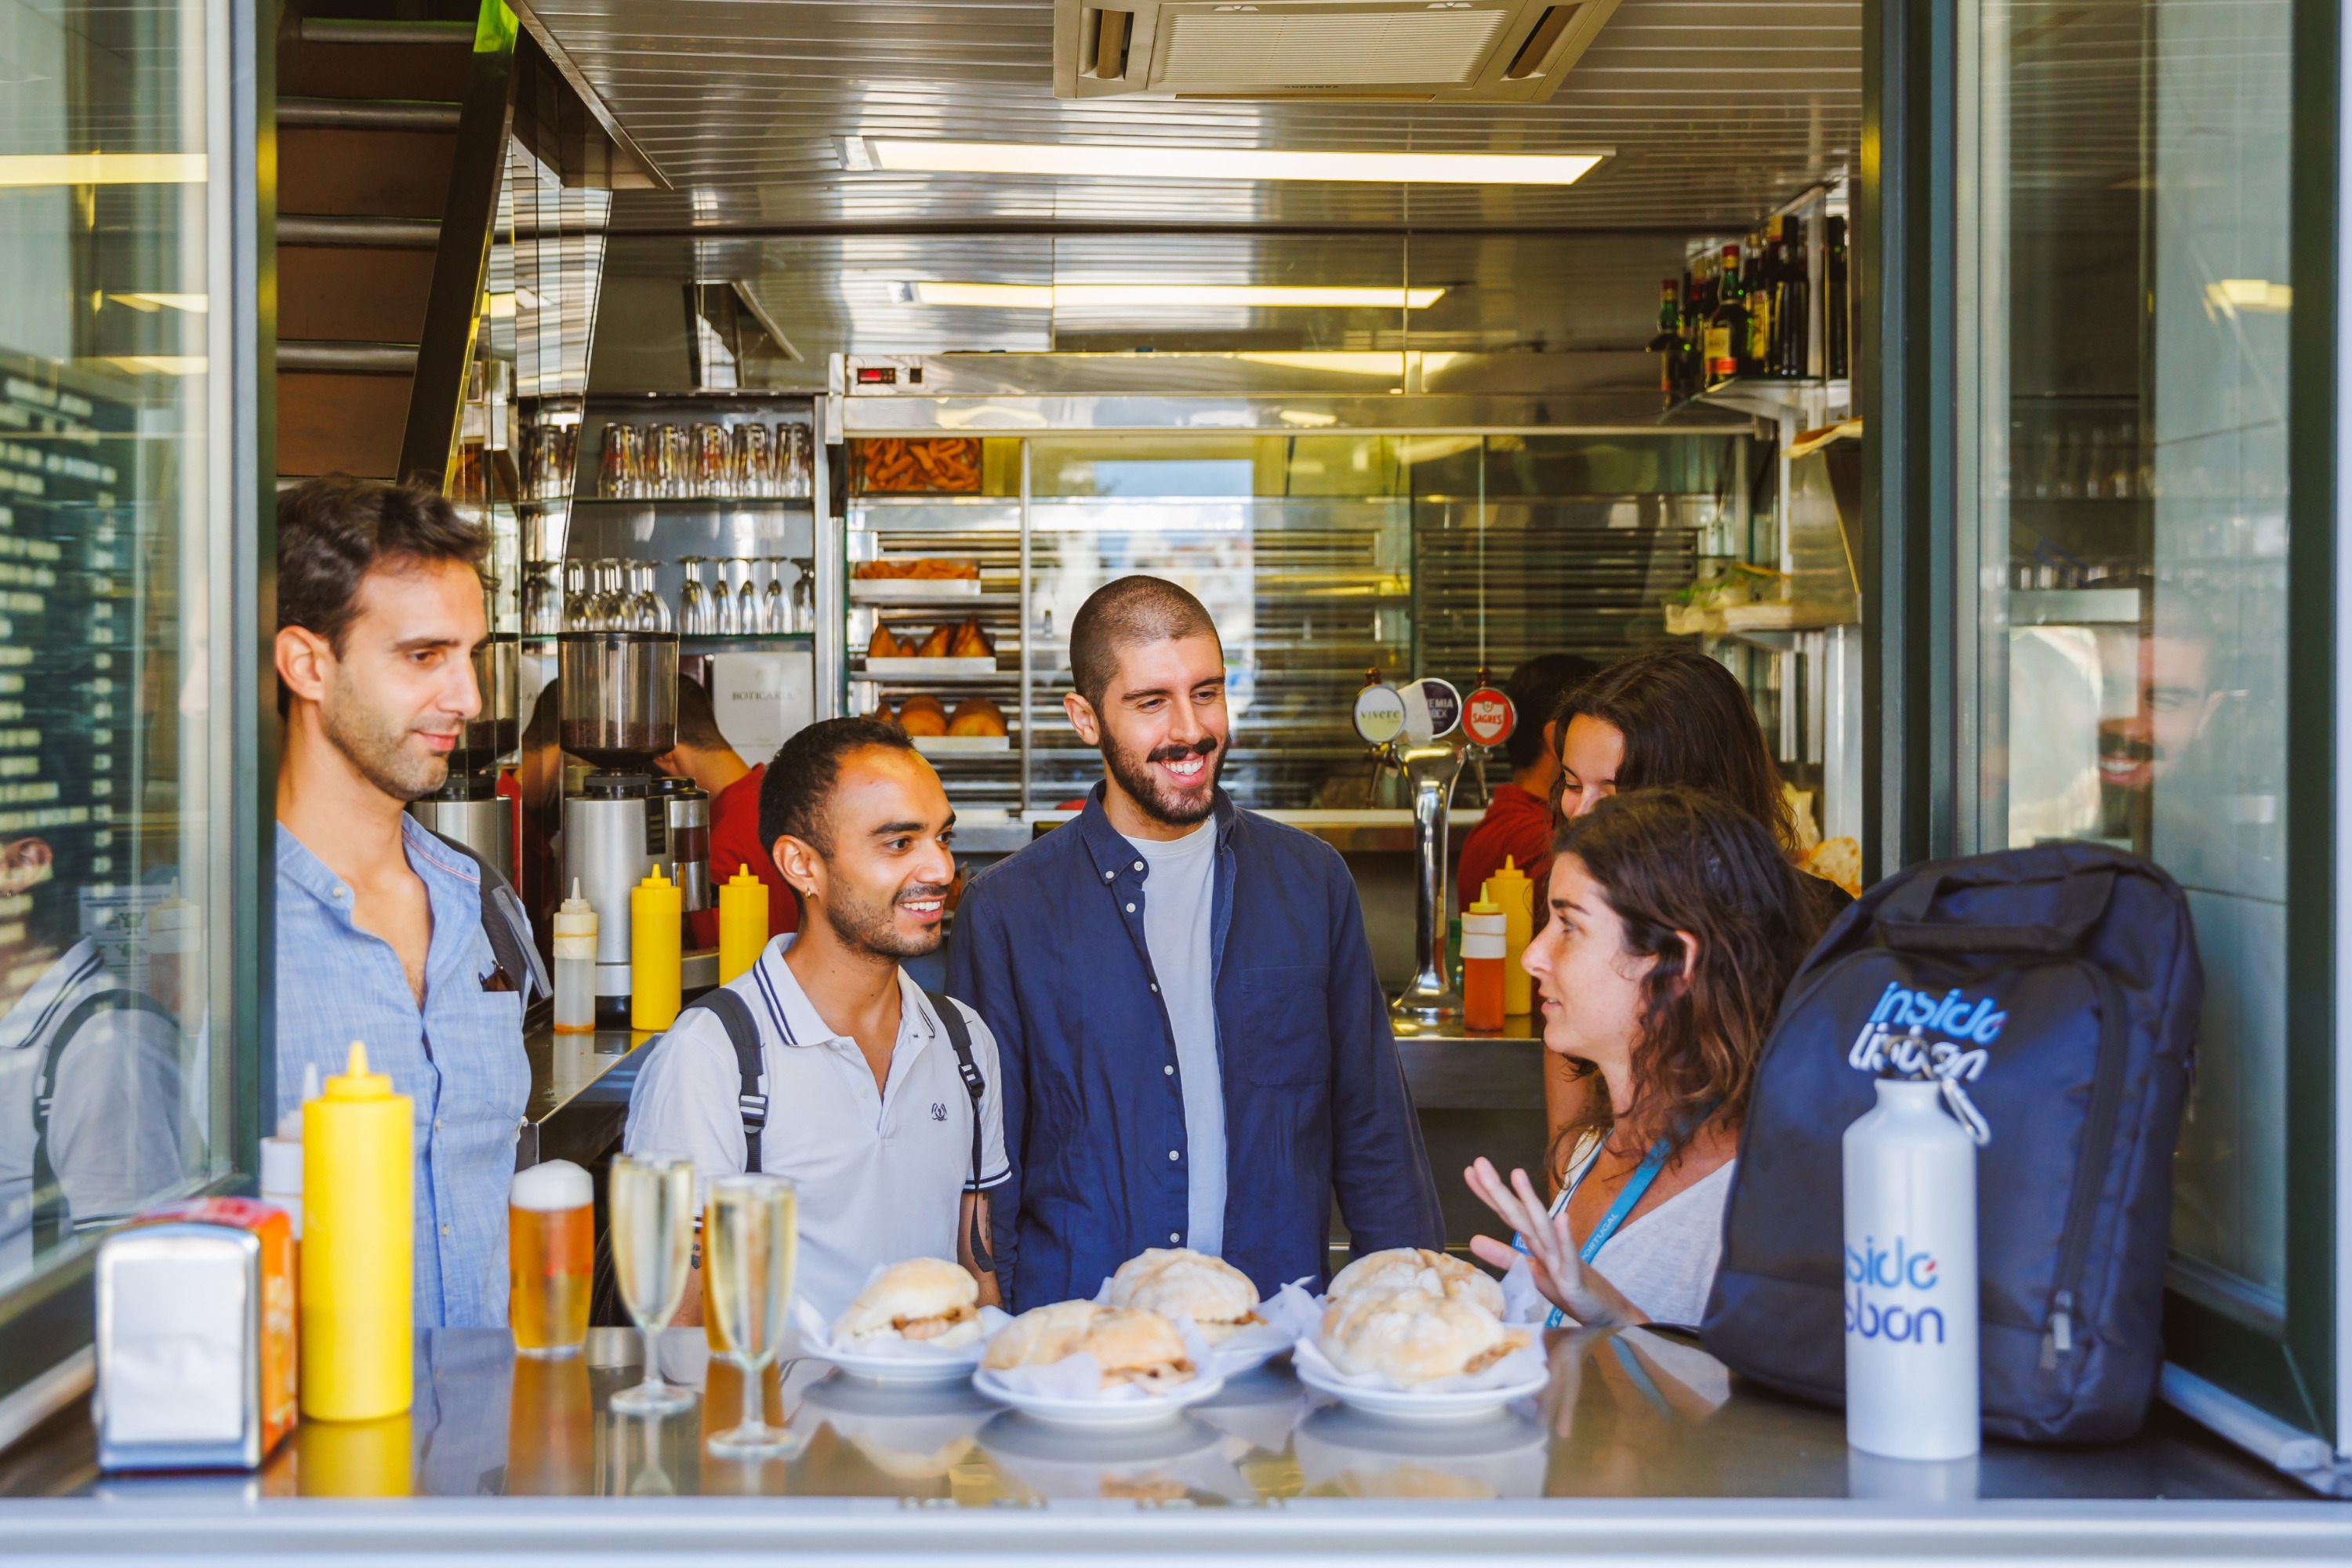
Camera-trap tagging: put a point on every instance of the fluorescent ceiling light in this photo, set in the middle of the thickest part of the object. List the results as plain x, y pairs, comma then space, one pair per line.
194, 304
158, 364
1232, 164
2232, 295
1082, 296
102, 168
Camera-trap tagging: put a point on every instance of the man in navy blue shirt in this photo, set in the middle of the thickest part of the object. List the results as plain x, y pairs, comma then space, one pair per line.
1195, 1049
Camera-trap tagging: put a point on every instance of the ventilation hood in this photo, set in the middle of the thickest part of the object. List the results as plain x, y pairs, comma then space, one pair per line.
1394, 51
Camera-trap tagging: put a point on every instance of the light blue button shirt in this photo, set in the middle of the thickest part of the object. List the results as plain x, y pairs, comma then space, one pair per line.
460, 1060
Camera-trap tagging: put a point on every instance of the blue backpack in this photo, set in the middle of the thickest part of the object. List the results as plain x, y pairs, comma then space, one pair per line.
2059, 986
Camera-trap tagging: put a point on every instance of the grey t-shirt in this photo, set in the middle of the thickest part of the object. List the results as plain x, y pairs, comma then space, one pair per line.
1178, 894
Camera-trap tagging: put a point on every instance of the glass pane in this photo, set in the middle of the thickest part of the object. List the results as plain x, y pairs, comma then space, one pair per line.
2131, 482
114, 1086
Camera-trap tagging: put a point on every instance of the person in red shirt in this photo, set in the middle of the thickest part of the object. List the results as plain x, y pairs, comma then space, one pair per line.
703, 754
1517, 823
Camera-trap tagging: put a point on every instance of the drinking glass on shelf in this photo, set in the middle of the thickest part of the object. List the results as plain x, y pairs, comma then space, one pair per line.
615, 470
722, 602
773, 614
666, 461
711, 458
793, 461
747, 604
542, 598
611, 611
652, 1241
754, 464
693, 601
751, 1231
543, 470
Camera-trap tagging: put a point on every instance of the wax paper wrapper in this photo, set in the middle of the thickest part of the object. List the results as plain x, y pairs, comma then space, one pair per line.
816, 1339
1080, 1376
1289, 1315
1525, 1364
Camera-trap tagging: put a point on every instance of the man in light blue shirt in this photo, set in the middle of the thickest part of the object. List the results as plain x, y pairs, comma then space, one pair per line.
380, 932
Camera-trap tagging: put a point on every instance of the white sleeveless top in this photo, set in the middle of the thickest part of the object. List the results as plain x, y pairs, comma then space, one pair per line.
1663, 1261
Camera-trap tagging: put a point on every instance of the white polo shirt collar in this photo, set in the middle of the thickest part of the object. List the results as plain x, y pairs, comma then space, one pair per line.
797, 1025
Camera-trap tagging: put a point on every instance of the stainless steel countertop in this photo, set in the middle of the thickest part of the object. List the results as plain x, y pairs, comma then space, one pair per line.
512, 1450
578, 1100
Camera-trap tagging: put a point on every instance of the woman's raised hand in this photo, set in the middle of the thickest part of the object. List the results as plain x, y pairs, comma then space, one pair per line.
1566, 1280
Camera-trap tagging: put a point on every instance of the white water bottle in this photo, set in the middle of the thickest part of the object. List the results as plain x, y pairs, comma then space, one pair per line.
1911, 1279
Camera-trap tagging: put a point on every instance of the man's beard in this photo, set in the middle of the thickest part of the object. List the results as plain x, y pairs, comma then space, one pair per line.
866, 925
1135, 776
378, 749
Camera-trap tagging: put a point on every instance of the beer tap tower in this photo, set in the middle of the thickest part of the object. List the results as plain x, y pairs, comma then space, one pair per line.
1415, 728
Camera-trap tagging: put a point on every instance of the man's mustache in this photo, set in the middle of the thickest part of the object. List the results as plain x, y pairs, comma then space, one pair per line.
1199, 748
921, 891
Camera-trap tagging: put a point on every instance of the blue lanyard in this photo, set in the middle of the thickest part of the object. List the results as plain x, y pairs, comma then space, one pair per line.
1635, 1185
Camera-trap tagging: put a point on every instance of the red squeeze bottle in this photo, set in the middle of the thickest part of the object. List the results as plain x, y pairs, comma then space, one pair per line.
1482, 966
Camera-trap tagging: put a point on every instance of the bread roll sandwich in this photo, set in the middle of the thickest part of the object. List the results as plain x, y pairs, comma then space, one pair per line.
1417, 1268
1413, 1336
927, 1299
1128, 1344
923, 715
1178, 1281
976, 716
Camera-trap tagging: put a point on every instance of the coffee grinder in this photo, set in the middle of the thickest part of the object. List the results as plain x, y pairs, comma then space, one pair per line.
619, 713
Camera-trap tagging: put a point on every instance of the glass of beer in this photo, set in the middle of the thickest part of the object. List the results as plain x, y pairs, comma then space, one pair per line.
551, 1257
653, 1244
751, 1228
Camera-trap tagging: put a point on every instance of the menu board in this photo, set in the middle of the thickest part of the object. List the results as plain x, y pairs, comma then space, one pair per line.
69, 640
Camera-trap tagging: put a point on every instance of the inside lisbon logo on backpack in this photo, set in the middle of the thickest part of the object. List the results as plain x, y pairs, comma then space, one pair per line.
1917, 1033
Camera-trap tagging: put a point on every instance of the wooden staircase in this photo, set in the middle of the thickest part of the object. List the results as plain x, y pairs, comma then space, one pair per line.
391, 143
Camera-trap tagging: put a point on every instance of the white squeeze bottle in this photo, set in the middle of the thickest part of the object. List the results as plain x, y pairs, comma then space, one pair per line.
1911, 1278
575, 965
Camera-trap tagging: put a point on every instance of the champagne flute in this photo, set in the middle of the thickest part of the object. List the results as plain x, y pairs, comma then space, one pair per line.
652, 1240
751, 1229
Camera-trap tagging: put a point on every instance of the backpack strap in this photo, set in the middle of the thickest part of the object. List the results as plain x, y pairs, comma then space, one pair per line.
1904, 925
506, 925
960, 1037
743, 1033
52, 1209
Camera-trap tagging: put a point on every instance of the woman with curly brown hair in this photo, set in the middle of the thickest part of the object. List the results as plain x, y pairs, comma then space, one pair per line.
1677, 923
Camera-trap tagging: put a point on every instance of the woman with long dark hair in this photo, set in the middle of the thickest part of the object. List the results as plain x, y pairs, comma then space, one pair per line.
1668, 715
1675, 923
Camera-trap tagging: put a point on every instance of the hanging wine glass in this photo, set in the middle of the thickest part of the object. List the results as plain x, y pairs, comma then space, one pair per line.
693, 601
747, 602
722, 602
772, 614
804, 595
575, 595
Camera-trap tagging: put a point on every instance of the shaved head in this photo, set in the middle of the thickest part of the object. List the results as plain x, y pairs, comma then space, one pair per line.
1128, 612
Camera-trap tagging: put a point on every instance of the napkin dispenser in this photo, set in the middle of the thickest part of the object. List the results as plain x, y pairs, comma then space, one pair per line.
196, 1338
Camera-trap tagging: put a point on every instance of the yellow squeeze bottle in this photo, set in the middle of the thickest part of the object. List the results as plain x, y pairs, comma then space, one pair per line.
358, 1257
1510, 891
656, 916
742, 923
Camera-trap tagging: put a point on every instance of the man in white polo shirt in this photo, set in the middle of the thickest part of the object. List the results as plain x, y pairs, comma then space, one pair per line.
868, 1108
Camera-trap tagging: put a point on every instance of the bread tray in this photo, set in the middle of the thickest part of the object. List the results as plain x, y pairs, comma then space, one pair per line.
961, 745
916, 669
910, 590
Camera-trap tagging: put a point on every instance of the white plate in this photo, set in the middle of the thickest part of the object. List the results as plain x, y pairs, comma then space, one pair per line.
894, 590
1100, 1414
906, 1369
1401, 1405
956, 745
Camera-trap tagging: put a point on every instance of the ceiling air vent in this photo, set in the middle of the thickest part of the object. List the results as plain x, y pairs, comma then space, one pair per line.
1454, 51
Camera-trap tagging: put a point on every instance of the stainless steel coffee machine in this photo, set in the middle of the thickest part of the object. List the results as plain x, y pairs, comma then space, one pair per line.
619, 711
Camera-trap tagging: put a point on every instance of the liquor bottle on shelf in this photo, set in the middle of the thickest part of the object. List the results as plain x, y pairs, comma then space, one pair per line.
1727, 324
1794, 318
1837, 324
1760, 281
1668, 342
